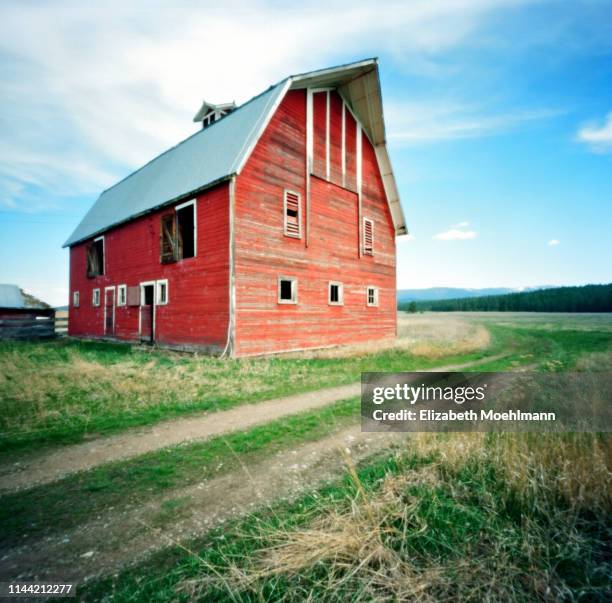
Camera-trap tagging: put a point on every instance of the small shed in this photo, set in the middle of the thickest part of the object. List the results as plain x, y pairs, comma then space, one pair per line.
23, 316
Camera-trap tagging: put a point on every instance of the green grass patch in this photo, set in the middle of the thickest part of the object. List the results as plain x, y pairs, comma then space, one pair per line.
61, 392
453, 518
76, 498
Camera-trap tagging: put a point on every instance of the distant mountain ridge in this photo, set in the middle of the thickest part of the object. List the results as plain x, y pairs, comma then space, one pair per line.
586, 298
436, 293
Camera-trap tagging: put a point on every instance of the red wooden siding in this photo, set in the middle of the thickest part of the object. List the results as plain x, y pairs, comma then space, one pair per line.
328, 250
263, 253
198, 307
335, 137
351, 150
319, 118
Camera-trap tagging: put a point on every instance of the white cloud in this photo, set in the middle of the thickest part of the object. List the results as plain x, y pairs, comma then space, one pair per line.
597, 136
457, 233
417, 123
554, 242
89, 92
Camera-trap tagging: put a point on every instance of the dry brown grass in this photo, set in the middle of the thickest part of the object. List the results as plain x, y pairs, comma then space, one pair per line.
371, 549
424, 335
35, 392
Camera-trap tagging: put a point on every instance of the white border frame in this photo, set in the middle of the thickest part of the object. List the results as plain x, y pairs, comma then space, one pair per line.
141, 306
162, 281
101, 238
327, 138
195, 224
106, 289
93, 297
76, 299
343, 149
294, 290
340, 286
119, 289
287, 234
371, 253
376, 296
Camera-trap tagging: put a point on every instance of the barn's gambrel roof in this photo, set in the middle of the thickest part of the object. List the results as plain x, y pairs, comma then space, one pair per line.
221, 150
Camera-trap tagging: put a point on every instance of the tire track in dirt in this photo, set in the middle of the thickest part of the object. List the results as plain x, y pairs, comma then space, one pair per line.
46, 467
126, 536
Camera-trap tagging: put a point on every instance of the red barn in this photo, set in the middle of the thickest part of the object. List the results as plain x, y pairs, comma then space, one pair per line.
271, 229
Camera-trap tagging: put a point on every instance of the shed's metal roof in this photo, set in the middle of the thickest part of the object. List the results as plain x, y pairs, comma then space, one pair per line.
11, 296
206, 157
221, 150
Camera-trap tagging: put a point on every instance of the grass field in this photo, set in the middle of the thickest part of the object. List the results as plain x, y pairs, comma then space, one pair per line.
456, 517
65, 391
449, 517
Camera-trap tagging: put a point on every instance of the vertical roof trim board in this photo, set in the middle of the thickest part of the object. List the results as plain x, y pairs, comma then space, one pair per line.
220, 151
359, 84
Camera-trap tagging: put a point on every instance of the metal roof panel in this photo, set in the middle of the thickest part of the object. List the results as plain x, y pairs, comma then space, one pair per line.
208, 156
11, 296
221, 150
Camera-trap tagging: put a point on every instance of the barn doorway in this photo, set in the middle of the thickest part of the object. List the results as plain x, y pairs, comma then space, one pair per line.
147, 312
109, 311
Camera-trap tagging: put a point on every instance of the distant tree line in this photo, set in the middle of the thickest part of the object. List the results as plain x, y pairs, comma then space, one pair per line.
590, 298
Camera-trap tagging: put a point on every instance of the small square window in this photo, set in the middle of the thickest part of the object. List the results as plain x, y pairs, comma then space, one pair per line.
96, 297
372, 295
336, 294
76, 299
287, 290
122, 295
162, 292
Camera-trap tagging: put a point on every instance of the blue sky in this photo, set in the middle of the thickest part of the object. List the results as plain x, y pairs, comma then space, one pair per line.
499, 120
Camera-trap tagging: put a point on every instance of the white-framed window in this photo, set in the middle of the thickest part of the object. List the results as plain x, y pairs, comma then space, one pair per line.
292, 214
95, 298
368, 236
187, 229
287, 290
121, 295
179, 233
335, 295
76, 299
372, 296
95, 258
161, 292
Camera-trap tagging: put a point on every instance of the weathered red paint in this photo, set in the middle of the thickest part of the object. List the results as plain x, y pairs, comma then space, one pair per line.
263, 253
199, 288
197, 311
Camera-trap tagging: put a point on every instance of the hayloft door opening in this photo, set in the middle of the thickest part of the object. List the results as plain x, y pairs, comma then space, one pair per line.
147, 312
109, 311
